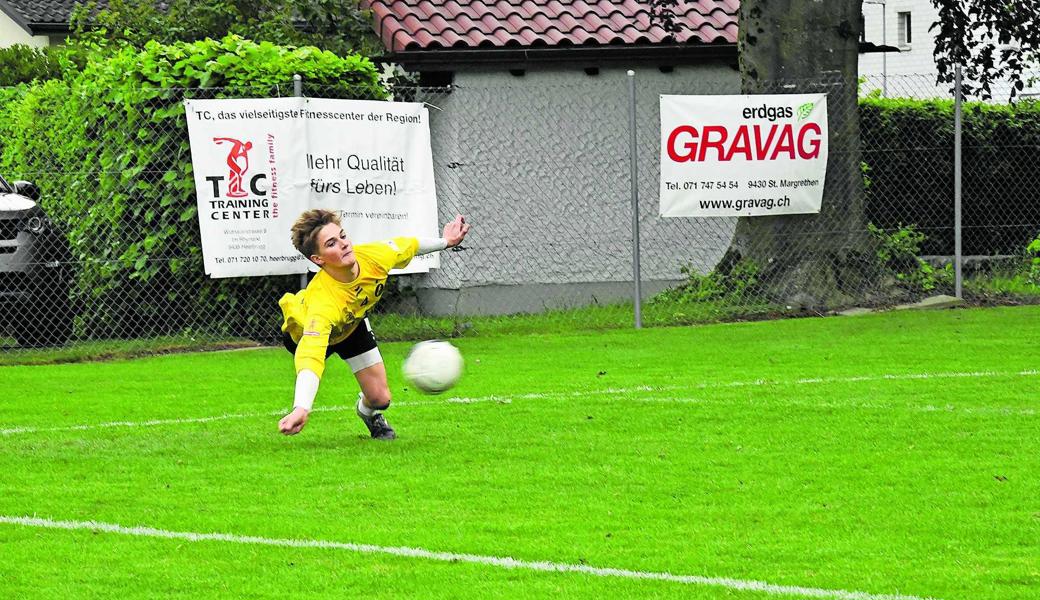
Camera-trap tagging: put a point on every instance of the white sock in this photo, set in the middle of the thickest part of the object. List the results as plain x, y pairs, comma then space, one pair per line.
368, 412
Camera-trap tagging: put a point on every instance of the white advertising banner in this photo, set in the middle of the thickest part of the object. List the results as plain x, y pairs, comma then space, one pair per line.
259, 163
738, 156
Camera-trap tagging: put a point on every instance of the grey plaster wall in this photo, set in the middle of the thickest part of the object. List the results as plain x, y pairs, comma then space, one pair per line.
540, 165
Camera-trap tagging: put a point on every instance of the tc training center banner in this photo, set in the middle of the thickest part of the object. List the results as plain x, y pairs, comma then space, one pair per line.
259, 163
737, 156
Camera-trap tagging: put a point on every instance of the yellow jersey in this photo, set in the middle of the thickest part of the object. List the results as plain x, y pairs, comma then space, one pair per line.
328, 311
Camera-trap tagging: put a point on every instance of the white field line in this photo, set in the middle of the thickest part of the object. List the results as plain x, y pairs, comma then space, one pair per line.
606, 391
452, 557
819, 404
227, 417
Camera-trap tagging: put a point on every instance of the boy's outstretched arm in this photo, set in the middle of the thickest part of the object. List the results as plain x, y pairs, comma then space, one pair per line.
309, 360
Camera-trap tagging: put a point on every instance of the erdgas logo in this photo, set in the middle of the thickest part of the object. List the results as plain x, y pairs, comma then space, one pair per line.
769, 113
238, 195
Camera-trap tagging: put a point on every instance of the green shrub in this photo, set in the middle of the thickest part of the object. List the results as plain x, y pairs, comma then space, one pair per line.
24, 64
1033, 260
898, 254
736, 285
341, 26
109, 149
908, 145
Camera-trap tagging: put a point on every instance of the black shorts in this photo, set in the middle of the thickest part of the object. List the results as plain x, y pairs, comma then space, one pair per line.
359, 342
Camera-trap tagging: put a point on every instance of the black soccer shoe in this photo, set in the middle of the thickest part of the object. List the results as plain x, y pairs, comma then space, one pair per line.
378, 427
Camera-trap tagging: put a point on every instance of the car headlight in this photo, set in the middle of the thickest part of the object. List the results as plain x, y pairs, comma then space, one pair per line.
34, 225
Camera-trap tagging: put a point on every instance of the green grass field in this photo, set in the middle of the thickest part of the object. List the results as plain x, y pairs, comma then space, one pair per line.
873, 457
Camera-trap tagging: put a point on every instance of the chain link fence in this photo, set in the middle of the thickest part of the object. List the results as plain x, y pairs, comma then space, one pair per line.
909, 152
104, 243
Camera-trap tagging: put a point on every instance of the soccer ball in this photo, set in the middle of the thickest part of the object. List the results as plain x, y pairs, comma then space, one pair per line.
433, 366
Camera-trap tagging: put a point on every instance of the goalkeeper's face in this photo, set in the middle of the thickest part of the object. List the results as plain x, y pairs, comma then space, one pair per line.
335, 249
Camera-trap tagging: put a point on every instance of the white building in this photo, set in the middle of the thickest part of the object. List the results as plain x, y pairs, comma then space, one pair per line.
912, 71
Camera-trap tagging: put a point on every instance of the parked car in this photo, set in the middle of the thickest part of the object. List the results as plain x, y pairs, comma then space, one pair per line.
35, 270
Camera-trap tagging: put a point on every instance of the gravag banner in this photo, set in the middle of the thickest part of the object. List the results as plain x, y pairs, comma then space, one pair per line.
259, 163
739, 156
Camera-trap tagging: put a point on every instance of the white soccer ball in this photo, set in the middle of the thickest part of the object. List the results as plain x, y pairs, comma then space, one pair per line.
433, 366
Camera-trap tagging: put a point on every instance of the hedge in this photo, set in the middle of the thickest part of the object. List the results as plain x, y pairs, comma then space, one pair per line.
908, 147
108, 146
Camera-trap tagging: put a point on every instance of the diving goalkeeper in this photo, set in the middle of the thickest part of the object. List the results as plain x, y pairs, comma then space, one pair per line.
329, 315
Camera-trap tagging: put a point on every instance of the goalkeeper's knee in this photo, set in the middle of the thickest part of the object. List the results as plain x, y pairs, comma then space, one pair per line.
378, 402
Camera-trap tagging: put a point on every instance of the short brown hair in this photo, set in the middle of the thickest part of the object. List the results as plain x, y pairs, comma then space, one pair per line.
305, 229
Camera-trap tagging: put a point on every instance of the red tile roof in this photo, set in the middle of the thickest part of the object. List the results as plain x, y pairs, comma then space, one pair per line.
406, 25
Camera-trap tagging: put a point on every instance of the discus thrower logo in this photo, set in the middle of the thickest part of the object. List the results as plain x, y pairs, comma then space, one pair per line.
238, 165
247, 196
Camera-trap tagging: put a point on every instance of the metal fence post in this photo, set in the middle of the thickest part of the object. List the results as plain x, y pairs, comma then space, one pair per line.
634, 175
957, 182
297, 88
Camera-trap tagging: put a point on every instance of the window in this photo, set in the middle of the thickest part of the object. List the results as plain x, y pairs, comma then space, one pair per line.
905, 37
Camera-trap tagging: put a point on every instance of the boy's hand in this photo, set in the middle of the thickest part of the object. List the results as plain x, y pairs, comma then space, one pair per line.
292, 423
455, 231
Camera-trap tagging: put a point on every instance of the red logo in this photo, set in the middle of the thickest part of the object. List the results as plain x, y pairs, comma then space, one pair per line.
238, 164
752, 142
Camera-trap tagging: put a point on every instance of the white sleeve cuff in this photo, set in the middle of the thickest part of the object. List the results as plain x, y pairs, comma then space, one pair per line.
306, 389
427, 245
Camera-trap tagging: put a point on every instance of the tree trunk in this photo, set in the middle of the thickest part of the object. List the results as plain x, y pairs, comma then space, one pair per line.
808, 46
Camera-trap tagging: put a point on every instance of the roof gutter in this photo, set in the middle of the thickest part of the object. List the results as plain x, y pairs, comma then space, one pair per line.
522, 57
452, 59
49, 28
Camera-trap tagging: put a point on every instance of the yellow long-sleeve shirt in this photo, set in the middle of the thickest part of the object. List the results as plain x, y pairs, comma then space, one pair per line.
328, 311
